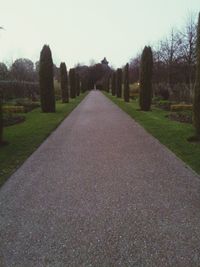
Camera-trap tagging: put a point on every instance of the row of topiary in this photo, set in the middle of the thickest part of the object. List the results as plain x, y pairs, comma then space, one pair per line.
122, 76
46, 85
116, 82
145, 92
47, 94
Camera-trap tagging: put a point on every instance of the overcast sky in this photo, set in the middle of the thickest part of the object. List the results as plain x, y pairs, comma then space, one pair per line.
81, 30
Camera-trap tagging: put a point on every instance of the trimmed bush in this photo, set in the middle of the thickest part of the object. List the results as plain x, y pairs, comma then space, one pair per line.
78, 86
119, 82
1, 120
64, 83
13, 109
10, 119
181, 116
47, 94
164, 104
146, 70
84, 85
181, 107
113, 83
72, 81
17, 89
196, 110
108, 84
134, 90
126, 83
27, 104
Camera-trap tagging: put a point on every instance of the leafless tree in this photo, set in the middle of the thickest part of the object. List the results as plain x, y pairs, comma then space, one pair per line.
187, 48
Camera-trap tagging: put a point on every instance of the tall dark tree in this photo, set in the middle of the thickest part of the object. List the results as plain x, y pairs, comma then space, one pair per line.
119, 82
126, 83
108, 84
146, 71
64, 83
78, 85
1, 120
82, 86
72, 81
47, 94
197, 85
4, 73
23, 70
113, 83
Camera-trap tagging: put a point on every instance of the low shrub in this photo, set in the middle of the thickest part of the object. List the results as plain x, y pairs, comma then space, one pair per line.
10, 119
181, 116
163, 104
134, 95
135, 88
161, 90
181, 107
57, 87
13, 109
27, 104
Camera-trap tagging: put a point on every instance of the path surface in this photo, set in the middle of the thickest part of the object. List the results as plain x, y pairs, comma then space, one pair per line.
100, 191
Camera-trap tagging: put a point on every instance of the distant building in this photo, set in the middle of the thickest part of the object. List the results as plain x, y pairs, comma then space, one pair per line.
104, 61
103, 82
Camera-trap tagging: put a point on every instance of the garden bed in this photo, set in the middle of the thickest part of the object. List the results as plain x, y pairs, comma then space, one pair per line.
10, 119
185, 117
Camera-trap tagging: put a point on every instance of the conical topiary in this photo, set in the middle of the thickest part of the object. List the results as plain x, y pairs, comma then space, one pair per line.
64, 83
196, 106
72, 81
146, 70
119, 82
1, 120
126, 83
78, 86
47, 94
113, 83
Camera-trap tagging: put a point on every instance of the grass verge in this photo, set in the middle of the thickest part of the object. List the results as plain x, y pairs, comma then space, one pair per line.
170, 133
25, 138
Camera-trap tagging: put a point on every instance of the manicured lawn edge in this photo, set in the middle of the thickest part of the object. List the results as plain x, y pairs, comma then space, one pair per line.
26, 137
172, 134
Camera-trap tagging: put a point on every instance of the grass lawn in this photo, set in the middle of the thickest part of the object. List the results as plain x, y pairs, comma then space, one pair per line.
25, 137
170, 133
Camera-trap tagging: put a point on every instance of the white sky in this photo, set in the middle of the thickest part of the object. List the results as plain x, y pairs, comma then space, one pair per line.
81, 30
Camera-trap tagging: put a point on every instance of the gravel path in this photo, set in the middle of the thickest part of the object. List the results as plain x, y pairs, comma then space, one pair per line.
100, 191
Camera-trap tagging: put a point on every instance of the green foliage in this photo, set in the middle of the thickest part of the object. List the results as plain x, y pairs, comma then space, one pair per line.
126, 83
170, 133
113, 83
17, 89
78, 86
107, 84
163, 104
119, 82
64, 83
180, 107
24, 138
83, 85
57, 90
72, 80
12, 119
146, 69
47, 94
13, 109
4, 73
1, 120
196, 106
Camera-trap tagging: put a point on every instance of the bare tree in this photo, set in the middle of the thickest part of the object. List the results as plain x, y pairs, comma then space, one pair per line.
170, 55
187, 48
